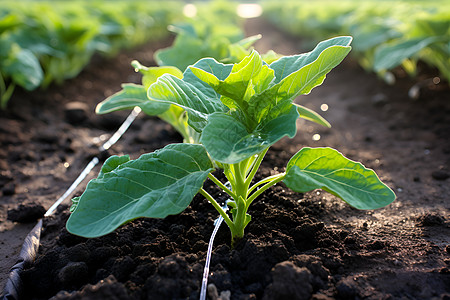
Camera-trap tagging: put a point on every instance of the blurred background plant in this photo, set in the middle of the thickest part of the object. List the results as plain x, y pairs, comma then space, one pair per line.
387, 34
42, 42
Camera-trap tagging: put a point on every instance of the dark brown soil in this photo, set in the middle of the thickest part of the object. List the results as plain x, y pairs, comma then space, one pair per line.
310, 246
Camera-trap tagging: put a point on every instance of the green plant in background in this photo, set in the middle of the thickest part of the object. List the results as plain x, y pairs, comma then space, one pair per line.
428, 40
217, 33
386, 34
239, 111
42, 43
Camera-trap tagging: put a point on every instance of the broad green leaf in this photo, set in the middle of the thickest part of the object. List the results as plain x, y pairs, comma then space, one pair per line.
130, 96
112, 163
235, 84
329, 170
389, 56
9, 22
295, 75
299, 74
239, 50
228, 141
184, 28
209, 71
288, 65
372, 34
155, 185
191, 51
24, 68
246, 78
310, 115
191, 93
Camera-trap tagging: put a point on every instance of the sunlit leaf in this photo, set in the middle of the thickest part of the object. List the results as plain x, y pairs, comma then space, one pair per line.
228, 140
155, 185
329, 170
130, 96
391, 55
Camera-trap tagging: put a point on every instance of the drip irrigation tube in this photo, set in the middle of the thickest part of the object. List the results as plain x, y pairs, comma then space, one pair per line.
13, 289
217, 223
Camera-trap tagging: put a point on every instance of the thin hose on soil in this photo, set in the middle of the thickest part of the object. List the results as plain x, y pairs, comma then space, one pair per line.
217, 223
13, 288
111, 141
74, 185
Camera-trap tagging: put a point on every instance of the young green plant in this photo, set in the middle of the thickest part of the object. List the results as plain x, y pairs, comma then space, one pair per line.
239, 111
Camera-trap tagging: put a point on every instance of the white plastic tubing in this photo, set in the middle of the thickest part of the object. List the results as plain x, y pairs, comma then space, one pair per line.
112, 140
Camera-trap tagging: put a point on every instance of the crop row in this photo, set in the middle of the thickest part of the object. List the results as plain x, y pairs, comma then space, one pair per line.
387, 34
42, 42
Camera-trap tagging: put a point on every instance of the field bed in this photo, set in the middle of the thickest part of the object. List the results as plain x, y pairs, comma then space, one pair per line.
401, 251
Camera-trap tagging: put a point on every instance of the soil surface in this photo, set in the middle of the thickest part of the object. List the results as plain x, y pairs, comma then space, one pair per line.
297, 246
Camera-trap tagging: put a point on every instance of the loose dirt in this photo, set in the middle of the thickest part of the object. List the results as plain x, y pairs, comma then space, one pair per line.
298, 246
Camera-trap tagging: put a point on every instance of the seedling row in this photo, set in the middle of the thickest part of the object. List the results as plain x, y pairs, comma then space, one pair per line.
387, 34
48, 42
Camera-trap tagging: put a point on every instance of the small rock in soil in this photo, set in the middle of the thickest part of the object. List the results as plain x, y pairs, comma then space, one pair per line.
108, 288
26, 213
172, 266
77, 253
289, 282
73, 274
314, 265
346, 290
430, 220
9, 189
123, 267
214, 295
440, 175
376, 245
76, 112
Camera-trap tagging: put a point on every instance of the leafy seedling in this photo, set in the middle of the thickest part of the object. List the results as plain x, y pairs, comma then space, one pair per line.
238, 111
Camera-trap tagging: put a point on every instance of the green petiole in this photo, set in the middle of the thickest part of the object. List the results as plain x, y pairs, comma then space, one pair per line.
240, 176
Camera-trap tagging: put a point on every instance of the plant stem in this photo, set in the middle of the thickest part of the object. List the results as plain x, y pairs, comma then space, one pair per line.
255, 167
240, 187
219, 209
239, 221
240, 176
265, 180
221, 185
276, 179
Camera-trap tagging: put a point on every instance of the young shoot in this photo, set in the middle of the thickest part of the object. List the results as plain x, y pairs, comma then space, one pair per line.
237, 111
